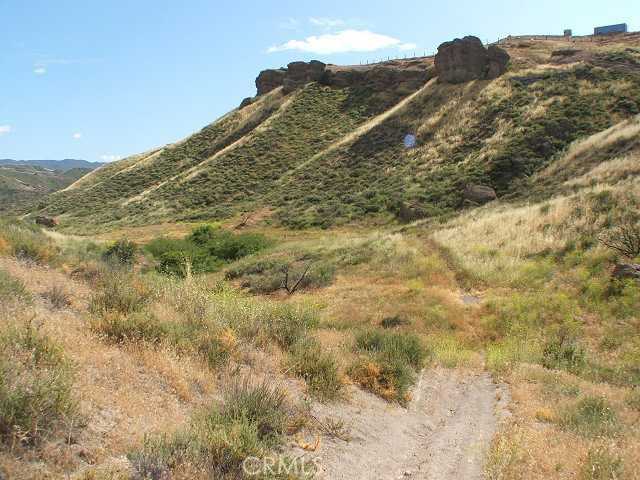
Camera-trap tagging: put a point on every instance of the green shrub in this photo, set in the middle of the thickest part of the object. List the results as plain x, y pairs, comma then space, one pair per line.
390, 363
122, 252
289, 324
206, 249
250, 423
319, 369
35, 386
591, 417
394, 321
563, 353
405, 347
119, 292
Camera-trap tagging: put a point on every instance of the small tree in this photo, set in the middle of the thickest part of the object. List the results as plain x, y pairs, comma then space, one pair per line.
291, 288
624, 239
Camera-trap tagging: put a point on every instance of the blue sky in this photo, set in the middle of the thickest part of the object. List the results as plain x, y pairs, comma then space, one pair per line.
100, 80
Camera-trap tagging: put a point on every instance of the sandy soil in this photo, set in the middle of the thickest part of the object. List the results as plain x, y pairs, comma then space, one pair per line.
443, 434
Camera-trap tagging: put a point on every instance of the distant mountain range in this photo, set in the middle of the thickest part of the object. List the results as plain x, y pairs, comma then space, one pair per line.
64, 165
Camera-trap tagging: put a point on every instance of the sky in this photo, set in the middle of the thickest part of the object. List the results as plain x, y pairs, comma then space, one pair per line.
103, 79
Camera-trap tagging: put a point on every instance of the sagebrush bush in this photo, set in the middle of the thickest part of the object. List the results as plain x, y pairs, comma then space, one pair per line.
389, 364
121, 252
119, 291
406, 347
35, 386
590, 416
250, 423
318, 368
58, 297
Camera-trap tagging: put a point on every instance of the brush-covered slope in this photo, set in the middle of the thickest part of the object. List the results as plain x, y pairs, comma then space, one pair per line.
22, 186
324, 155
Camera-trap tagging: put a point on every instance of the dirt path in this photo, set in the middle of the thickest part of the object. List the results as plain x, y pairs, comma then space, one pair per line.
443, 434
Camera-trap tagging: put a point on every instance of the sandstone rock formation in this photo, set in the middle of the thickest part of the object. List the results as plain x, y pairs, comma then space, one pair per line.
269, 80
400, 77
479, 194
301, 73
497, 62
463, 60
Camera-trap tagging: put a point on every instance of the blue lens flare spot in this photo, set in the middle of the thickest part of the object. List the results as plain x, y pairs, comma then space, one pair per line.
409, 140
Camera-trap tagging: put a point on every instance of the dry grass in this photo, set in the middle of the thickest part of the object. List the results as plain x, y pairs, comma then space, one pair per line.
123, 394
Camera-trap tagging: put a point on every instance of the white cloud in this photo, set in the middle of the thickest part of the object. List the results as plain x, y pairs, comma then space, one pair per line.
77, 136
39, 70
341, 42
5, 129
325, 22
110, 158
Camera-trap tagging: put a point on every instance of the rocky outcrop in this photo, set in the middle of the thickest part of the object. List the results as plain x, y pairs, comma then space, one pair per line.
291, 78
497, 62
245, 102
299, 74
380, 77
479, 194
270, 80
463, 60
626, 270
397, 77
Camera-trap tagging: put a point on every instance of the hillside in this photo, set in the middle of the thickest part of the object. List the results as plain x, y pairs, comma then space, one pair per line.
23, 186
322, 148
470, 308
63, 165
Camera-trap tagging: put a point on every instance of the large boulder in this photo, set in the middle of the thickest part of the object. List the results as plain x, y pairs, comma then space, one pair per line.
48, 222
291, 78
466, 59
299, 74
270, 80
479, 194
497, 62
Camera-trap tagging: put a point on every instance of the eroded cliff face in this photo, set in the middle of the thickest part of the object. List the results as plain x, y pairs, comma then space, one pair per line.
397, 76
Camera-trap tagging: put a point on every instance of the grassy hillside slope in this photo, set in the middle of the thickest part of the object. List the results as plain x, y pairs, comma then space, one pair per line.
326, 156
